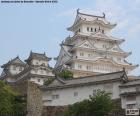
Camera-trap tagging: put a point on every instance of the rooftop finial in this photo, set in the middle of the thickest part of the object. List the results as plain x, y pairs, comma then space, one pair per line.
103, 14
78, 10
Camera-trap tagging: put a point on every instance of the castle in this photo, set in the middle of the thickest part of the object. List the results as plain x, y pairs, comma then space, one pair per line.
94, 57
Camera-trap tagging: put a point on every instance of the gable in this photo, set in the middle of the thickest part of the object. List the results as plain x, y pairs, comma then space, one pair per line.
86, 44
56, 82
116, 48
18, 61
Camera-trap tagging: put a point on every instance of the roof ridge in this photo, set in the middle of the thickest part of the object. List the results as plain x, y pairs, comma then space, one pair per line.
92, 15
95, 75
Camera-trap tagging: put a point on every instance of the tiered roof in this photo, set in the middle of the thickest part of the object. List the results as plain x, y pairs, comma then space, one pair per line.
87, 18
88, 80
37, 56
15, 61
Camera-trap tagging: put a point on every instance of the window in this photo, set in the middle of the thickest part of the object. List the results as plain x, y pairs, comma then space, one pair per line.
79, 30
43, 64
55, 96
88, 67
104, 46
38, 80
81, 54
87, 28
75, 94
89, 55
102, 31
131, 98
91, 30
79, 66
94, 91
95, 29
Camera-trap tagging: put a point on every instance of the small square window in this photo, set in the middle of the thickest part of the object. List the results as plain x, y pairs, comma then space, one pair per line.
91, 30
79, 66
55, 96
87, 28
75, 94
38, 80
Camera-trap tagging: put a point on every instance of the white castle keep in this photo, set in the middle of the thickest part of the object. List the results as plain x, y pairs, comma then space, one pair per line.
92, 50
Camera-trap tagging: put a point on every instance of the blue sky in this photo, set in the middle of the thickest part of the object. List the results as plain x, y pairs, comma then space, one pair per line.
42, 27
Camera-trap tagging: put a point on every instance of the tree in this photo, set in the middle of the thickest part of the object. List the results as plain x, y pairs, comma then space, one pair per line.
65, 74
98, 105
48, 81
9, 105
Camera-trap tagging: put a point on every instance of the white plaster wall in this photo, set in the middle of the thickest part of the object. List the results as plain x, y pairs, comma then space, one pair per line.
37, 80
15, 70
39, 62
66, 96
84, 26
42, 72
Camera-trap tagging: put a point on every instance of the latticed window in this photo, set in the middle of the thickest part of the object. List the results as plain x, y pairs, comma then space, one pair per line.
87, 28
79, 66
55, 96
75, 94
81, 54
88, 67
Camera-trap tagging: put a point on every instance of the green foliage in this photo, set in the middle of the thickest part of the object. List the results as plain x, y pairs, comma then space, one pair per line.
9, 106
48, 81
66, 74
98, 105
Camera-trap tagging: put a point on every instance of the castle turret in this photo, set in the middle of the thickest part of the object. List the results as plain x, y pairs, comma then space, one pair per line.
12, 68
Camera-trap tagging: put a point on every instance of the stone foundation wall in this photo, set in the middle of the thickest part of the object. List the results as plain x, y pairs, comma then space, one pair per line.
34, 100
57, 110
53, 110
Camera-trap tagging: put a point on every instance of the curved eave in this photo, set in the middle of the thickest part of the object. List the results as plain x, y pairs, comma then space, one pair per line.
79, 21
105, 38
125, 54
108, 60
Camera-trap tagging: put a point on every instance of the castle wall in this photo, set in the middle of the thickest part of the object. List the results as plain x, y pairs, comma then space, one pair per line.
66, 96
34, 100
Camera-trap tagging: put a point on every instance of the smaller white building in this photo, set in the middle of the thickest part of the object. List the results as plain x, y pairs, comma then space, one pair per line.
35, 69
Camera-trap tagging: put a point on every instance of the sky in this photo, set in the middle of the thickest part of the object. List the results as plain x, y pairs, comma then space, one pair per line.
42, 27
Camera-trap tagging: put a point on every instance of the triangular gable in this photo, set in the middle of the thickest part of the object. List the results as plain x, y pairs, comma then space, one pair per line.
100, 34
17, 60
56, 82
116, 48
85, 44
